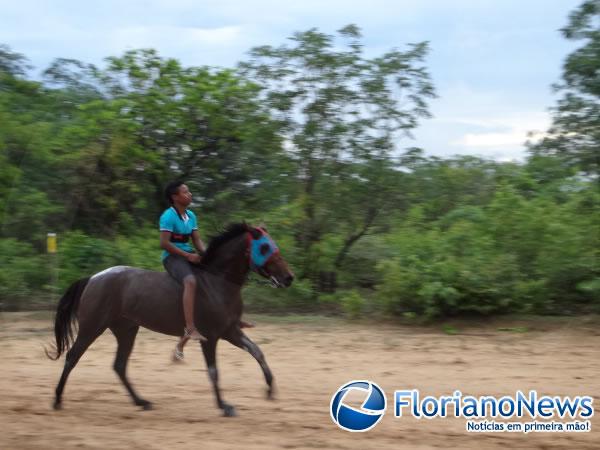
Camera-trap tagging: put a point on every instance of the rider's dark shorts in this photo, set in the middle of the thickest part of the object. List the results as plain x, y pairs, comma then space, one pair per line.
178, 267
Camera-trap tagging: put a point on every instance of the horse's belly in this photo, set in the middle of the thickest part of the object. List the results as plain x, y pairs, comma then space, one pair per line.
153, 302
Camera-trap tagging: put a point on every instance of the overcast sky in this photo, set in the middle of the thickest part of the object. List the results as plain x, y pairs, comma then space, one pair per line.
492, 61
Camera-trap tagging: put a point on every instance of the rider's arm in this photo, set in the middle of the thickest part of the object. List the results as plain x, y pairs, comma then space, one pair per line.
198, 242
165, 243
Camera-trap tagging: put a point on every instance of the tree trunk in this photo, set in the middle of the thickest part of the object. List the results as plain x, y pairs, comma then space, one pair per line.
352, 239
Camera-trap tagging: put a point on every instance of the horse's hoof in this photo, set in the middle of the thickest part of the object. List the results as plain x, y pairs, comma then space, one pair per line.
271, 393
57, 406
145, 404
229, 411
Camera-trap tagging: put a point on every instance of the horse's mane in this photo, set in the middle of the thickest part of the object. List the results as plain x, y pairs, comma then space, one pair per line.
231, 231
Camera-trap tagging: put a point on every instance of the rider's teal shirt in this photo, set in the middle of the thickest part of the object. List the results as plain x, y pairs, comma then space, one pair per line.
180, 228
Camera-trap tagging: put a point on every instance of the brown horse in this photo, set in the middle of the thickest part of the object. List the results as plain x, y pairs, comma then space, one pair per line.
124, 298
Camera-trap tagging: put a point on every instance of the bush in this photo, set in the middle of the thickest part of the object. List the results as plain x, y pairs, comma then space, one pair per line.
515, 255
438, 273
353, 303
81, 256
259, 297
24, 275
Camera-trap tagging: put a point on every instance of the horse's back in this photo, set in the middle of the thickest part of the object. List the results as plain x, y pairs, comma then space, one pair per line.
153, 299
130, 292
127, 273
111, 271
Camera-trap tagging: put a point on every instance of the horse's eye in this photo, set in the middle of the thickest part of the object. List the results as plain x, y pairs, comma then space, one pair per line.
264, 249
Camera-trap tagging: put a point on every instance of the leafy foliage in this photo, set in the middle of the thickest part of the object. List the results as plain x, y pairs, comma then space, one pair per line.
304, 137
575, 132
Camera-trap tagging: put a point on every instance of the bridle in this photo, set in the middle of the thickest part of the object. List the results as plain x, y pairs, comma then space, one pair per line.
259, 252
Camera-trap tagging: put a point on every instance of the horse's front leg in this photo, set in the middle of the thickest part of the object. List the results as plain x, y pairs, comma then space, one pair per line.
238, 338
209, 348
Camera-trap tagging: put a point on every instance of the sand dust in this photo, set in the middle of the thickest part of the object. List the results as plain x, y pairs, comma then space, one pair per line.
310, 360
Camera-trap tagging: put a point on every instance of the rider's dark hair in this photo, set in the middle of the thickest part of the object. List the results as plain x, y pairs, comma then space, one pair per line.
172, 189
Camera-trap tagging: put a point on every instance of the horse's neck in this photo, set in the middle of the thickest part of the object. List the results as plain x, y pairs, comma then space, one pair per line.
232, 261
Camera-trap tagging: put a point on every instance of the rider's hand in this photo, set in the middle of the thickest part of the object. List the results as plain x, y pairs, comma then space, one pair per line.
194, 258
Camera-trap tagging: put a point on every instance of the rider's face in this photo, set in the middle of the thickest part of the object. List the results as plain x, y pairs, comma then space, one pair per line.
183, 196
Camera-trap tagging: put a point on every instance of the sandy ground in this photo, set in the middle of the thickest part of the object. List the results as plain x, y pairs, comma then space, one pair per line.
310, 359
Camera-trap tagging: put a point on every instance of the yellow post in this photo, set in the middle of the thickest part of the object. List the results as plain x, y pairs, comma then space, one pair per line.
52, 247
51, 242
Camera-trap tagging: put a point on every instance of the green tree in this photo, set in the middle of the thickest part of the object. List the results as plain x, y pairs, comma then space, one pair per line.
144, 120
575, 132
203, 125
27, 121
12, 63
341, 115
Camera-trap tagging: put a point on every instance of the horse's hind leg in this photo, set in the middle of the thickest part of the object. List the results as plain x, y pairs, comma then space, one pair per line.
125, 332
81, 344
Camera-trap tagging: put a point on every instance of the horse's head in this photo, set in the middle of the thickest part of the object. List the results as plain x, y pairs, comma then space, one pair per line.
265, 258
260, 253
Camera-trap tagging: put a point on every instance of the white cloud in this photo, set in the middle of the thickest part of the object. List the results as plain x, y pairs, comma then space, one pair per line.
503, 132
157, 36
490, 123
492, 62
509, 138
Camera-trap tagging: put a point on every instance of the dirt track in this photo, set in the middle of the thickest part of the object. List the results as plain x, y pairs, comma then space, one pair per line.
310, 360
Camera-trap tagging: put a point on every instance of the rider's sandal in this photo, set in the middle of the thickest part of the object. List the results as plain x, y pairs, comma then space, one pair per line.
178, 355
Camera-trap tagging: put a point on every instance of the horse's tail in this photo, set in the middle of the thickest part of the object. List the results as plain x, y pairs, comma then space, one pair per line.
66, 317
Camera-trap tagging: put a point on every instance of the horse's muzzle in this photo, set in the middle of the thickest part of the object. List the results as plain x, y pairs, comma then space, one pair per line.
287, 282
277, 283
